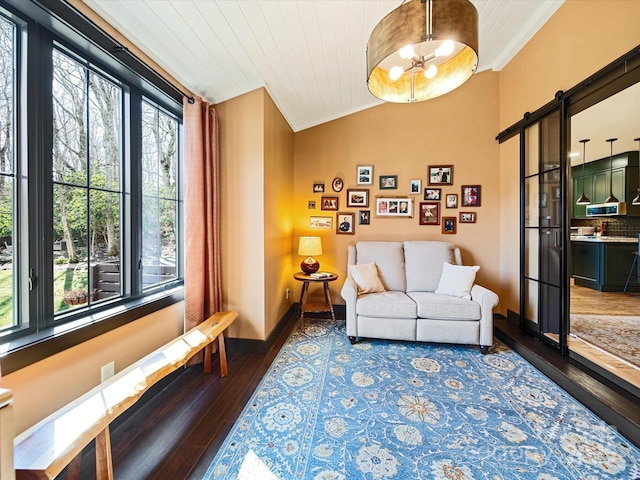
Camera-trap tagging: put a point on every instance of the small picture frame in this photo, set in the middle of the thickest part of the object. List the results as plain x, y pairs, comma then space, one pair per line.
394, 207
415, 187
468, 217
364, 217
357, 198
440, 174
449, 225
364, 174
470, 195
311, 205
388, 182
452, 200
321, 222
345, 223
429, 213
337, 184
433, 194
318, 188
329, 203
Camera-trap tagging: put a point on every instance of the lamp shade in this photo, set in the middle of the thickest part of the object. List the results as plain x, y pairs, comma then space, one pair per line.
422, 49
310, 246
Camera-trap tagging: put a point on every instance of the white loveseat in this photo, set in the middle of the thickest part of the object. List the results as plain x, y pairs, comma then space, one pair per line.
413, 300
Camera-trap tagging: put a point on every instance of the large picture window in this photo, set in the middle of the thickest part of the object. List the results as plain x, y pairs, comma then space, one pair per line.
7, 172
90, 197
86, 165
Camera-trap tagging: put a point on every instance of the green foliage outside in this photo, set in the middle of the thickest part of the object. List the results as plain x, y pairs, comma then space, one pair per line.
64, 279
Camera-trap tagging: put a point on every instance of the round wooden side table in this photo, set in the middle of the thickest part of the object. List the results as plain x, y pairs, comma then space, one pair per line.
316, 307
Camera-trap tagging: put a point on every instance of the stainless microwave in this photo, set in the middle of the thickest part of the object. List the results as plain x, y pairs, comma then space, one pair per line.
606, 209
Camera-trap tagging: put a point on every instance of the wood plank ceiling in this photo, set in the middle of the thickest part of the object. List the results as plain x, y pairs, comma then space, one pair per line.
309, 55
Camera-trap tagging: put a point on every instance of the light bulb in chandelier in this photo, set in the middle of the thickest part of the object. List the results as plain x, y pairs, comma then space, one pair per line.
407, 52
396, 72
431, 71
446, 48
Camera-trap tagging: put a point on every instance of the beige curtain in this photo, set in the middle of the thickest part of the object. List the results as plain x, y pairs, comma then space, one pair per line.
203, 276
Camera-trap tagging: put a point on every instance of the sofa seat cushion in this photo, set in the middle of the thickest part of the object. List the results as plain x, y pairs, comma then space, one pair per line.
445, 307
390, 304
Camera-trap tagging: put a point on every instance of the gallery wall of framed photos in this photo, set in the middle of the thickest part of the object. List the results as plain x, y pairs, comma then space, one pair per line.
440, 203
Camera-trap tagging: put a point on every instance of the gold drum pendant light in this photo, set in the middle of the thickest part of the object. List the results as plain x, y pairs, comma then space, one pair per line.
583, 200
422, 49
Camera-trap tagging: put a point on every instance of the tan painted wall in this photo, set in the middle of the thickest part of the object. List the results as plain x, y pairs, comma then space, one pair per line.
65, 376
243, 178
278, 213
581, 38
457, 129
256, 148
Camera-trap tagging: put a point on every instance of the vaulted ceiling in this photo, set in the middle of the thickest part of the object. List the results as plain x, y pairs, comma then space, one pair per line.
308, 54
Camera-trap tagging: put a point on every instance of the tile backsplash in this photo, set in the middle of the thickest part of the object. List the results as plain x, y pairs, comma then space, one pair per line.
615, 226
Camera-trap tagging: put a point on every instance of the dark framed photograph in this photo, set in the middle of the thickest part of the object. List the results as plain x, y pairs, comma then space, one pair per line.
364, 217
470, 195
452, 200
433, 194
440, 174
318, 188
388, 182
311, 205
337, 184
345, 223
449, 225
429, 213
357, 198
364, 175
329, 203
468, 217
415, 186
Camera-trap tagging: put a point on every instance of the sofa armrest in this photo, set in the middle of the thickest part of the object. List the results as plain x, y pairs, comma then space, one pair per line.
349, 293
487, 300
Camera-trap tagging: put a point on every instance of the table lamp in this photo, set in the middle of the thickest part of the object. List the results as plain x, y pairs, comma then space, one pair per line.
310, 246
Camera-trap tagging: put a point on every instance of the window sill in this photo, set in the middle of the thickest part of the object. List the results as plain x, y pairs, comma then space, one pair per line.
24, 351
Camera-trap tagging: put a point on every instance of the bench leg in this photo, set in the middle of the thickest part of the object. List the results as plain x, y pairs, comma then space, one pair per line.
223, 356
104, 463
73, 469
208, 351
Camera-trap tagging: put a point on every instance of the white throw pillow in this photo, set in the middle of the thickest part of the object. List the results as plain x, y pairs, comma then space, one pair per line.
457, 280
366, 277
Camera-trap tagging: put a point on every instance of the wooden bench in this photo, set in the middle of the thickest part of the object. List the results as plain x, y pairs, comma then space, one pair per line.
45, 449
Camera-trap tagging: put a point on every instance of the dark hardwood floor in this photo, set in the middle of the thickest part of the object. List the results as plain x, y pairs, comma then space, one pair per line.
176, 432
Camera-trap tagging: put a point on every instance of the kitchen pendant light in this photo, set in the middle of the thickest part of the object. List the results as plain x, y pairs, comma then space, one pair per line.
612, 198
422, 49
636, 201
583, 200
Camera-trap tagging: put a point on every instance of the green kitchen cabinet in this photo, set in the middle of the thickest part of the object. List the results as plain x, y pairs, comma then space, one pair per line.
585, 263
603, 265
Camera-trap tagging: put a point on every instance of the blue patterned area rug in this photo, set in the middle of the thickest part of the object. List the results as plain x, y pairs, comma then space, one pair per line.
379, 409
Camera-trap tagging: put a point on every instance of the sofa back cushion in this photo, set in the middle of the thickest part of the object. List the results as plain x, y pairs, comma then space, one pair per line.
424, 261
389, 258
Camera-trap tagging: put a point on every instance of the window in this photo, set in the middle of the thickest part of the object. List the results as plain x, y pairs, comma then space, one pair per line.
90, 197
87, 196
7, 171
159, 195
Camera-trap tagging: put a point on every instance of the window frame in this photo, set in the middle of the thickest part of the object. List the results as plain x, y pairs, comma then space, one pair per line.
39, 333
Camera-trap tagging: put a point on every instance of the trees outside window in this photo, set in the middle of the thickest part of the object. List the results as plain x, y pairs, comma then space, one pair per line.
90, 203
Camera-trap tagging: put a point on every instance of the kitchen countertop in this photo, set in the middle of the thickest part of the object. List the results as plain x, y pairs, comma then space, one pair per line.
586, 238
